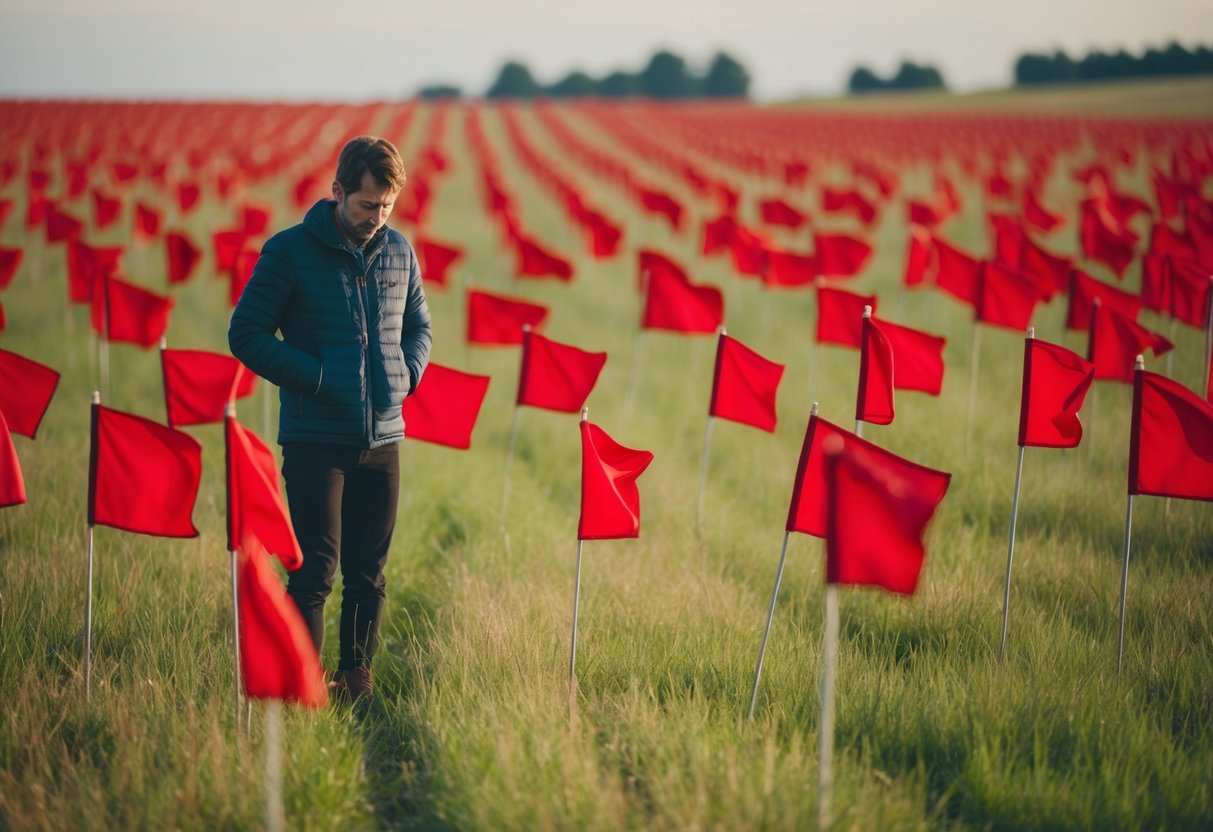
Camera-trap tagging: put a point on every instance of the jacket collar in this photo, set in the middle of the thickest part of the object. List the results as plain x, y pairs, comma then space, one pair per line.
319, 222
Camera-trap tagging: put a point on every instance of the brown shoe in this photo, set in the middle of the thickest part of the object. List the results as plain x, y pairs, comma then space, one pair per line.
357, 683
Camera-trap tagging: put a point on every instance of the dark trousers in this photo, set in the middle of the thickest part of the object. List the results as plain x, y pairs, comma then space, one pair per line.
343, 506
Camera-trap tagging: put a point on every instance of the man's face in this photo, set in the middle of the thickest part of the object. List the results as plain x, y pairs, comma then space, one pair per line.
363, 212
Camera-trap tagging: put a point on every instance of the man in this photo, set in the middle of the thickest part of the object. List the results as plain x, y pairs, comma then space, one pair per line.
345, 292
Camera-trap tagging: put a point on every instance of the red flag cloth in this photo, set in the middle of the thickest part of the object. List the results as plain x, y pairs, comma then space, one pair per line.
874, 397
497, 319
85, 265
1112, 247
26, 389
1055, 384
536, 261
840, 255
1009, 239
920, 213
958, 272
807, 513
786, 268
10, 260
254, 499
681, 306
556, 376
1171, 440
658, 202
143, 476
718, 234
227, 246
187, 196
1052, 272
60, 225
744, 385
920, 256
879, 506
1189, 283
106, 209
277, 657
837, 201
1084, 290
1005, 297
444, 407
183, 256
778, 212
1037, 214
749, 251
434, 259
649, 261
840, 316
124, 312
1164, 241
198, 385
12, 483
605, 236
610, 500
918, 357
1115, 342
147, 221
241, 272
254, 219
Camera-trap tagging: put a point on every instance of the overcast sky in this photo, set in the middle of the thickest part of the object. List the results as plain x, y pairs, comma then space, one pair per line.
306, 49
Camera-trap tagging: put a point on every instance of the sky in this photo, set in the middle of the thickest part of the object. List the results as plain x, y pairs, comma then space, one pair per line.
301, 50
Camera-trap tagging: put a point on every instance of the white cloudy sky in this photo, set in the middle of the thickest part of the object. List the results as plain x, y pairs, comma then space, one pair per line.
307, 49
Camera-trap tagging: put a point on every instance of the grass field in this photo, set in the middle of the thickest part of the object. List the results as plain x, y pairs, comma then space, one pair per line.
472, 727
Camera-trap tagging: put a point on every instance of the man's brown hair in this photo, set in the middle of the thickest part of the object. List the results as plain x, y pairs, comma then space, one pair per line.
373, 155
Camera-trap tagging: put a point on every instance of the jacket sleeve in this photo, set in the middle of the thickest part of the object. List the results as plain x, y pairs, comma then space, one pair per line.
415, 335
251, 335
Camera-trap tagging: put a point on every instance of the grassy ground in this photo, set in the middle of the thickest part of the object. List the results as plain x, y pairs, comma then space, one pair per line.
472, 727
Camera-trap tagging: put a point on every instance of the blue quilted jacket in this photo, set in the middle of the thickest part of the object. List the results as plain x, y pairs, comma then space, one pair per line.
355, 331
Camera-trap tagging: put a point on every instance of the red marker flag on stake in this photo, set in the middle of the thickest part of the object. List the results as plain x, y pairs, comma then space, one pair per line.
497, 319
435, 259
1189, 284
1171, 440
879, 506
958, 272
444, 407
840, 316
918, 356
1005, 297
675, 305
536, 261
143, 476
1055, 384
1115, 340
840, 255
921, 259
874, 402
255, 507
26, 388
183, 256
556, 376
86, 265
649, 262
610, 500
10, 260
124, 312
744, 385
12, 483
1085, 290
198, 385
277, 657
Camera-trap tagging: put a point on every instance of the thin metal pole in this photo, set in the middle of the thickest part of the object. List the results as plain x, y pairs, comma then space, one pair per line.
1124, 584
703, 473
88, 621
829, 660
762, 648
1006, 591
274, 815
235, 640
576, 608
974, 372
509, 458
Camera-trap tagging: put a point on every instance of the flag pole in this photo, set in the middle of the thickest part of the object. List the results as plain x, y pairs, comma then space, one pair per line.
707, 440
974, 366
1006, 590
1139, 365
88, 597
273, 766
229, 415
829, 660
585, 415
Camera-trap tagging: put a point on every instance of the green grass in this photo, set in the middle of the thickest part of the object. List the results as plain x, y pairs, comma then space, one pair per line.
472, 728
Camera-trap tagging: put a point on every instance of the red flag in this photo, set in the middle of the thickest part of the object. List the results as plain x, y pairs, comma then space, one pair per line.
1112, 247
840, 255
1189, 290
681, 306
143, 476
60, 225
921, 258
610, 500
10, 260
124, 312
879, 506
444, 407
198, 385
183, 256
786, 268
605, 236
26, 388
649, 261
497, 319
12, 483
106, 209
778, 212
718, 234
659, 202
434, 259
254, 499
958, 272
277, 657
807, 513
1116, 340
840, 316
1052, 272
1171, 440
85, 266
749, 251
744, 385
227, 246
241, 272
874, 399
147, 221
1055, 384
1085, 290
536, 261
254, 219
1037, 214
918, 357
1005, 297
556, 376
1009, 239
187, 196
835, 201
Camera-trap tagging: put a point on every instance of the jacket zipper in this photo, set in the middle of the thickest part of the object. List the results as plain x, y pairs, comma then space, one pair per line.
368, 401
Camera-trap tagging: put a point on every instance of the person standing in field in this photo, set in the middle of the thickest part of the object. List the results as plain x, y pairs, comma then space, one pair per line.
345, 292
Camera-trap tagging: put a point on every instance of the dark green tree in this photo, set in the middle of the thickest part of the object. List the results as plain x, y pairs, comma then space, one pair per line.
864, 80
574, 85
619, 85
666, 77
513, 81
439, 91
911, 76
726, 78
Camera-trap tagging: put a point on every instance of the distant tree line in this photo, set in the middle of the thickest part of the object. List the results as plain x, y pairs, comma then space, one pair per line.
666, 75
909, 76
1032, 68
